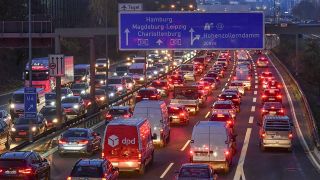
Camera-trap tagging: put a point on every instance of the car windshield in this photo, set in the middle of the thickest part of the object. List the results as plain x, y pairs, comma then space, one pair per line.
222, 106
210, 80
100, 92
50, 96
100, 76
146, 92
22, 121
75, 133
136, 71
12, 163
115, 81
48, 111
80, 72
118, 111
200, 60
193, 172
271, 92
101, 61
122, 68
87, 171
70, 100
186, 67
78, 86
18, 98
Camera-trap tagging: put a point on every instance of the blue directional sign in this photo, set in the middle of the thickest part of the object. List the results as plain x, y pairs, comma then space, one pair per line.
190, 30
30, 102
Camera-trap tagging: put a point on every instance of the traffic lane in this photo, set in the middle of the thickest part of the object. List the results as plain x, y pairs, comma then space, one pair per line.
282, 164
179, 136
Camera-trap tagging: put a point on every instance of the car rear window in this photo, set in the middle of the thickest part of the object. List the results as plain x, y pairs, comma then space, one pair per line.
146, 92
75, 133
194, 172
159, 83
87, 171
222, 106
11, 163
118, 111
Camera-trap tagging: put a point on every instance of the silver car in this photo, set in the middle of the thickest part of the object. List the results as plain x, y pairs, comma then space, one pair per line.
79, 140
73, 105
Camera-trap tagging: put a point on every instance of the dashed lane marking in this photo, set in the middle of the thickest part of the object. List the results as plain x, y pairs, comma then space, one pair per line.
255, 92
207, 115
251, 119
185, 145
253, 108
166, 171
254, 100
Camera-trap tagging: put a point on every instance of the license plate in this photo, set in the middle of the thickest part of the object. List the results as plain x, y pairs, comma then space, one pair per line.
272, 112
145, 98
10, 172
272, 99
22, 133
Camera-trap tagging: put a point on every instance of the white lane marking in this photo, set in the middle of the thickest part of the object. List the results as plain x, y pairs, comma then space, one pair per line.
254, 100
226, 84
185, 145
256, 86
253, 108
166, 171
207, 114
256, 77
256, 74
244, 149
223, 89
256, 81
255, 92
251, 119
296, 123
228, 79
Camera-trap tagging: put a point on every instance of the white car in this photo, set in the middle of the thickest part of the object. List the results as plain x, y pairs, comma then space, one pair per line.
237, 85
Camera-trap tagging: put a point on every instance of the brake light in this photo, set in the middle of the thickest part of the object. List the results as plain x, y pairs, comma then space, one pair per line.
290, 135
279, 96
69, 178
89, 103
108, 116
126, 115
62, 141
25, 171
182, 114
207, 87
139, 155
264, 96
263, 110
153, 96
83, 141
138, 96
191, 152
249, 78
281, 110
226, 153
1, 171
272, 107
279, 86
263, 135
234, 78
229, 122
102, 155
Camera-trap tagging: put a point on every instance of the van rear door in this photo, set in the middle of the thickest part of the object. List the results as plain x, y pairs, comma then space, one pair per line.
121, 143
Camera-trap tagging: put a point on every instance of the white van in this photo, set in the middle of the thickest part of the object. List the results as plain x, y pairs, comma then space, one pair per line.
212, 143
243, 75
157, 113
138, 72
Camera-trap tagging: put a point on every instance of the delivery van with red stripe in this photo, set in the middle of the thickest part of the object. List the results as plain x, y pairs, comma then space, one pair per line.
128, 144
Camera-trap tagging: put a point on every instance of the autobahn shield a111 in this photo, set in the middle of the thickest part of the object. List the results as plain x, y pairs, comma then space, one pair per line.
190, 30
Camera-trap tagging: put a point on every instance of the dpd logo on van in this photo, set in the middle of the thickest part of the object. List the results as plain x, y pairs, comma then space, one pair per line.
113, 141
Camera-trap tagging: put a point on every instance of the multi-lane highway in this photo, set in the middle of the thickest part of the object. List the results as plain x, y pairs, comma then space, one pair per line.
249, 163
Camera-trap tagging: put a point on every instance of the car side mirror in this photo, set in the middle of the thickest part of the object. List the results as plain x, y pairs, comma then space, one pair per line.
154, 136
192, 141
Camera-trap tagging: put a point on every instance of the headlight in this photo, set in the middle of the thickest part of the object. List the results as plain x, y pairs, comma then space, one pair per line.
155, 128
83, 78
155, 72
149, 76
33, 129
12, 106
53, 103
115, 74
63, 97
175, 63
111, 94
161, 69
101, 82
165, 57
142, 78
128, 59
157, 51
55, 120
102, 98
133, 61
125, 74
105, 65
96, 65
83, 92
130, 85
120, 88
13, 129
76, 106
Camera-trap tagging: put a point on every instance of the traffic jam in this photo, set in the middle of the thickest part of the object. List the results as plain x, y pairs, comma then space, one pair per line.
132, 134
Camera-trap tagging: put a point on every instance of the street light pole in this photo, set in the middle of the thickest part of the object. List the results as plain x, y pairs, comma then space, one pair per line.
30, 45
107, 59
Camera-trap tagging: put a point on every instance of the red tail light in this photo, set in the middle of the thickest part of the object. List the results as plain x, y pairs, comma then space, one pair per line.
62, 141
1, 171
108, 116
264, 96
229, 122
83, 141
263, 110
138, 96
25, 171
127, 115
279, 96
89, 103
249, 78
263, 135
139, 155
102, 155
290, 135
191, 152
69, 178
234, 78
281, 110
227, 153
153, 96
182, 114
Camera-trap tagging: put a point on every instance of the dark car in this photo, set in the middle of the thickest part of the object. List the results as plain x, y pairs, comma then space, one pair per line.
271, 95
50, 116
176, 80
213, 75
21, 127
272, 108
196, 171
100, 80
79, 140
80, 88
274, 85
265, 75
148, 94
23, 165
178, 114
223, 117
118, 112
95, 169
230, 96
162, 86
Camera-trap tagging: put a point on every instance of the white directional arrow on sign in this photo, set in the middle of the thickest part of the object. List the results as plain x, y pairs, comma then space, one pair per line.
192, 38
159, 42
127, 36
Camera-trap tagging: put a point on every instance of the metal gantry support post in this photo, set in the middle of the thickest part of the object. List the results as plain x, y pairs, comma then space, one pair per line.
297, 56
92, 73
107, 59
57, 50
30, 62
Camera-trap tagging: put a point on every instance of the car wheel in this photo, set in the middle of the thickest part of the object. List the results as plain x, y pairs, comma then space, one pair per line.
142, 169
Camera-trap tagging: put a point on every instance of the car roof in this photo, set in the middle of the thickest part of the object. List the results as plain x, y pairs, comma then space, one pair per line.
148, 88
270, 104
120, 107
198, 165
90, 162
77, 129
223, 102
128, 122
15, 155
